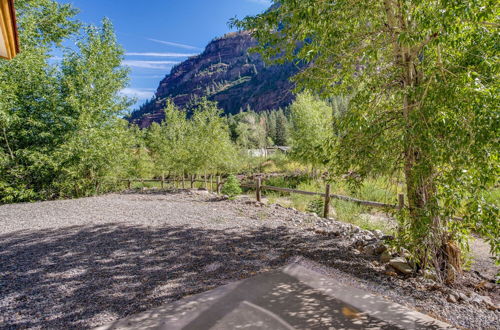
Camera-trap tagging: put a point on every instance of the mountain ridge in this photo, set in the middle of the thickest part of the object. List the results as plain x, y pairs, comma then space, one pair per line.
226, 73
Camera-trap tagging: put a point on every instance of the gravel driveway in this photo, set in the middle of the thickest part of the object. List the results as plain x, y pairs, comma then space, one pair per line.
82, 263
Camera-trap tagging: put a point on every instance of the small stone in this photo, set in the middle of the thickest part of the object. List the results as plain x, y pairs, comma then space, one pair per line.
489, 303
333, 232
477, 299
463, 297
320, 231
451, 298
380, 248
369, 249
401, 265
368, 238
378, 233
385, 257
358, 242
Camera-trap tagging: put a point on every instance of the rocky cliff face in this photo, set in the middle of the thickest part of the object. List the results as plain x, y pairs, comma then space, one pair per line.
225, 72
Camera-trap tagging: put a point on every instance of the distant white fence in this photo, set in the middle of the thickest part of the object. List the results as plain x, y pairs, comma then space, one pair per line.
266, 152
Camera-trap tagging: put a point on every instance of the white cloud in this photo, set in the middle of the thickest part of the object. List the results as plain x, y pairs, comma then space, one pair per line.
262, 2
160, 65
140, 93
174, 44
162, 54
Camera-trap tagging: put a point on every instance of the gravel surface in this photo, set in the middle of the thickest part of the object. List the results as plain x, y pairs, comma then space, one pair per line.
82, 263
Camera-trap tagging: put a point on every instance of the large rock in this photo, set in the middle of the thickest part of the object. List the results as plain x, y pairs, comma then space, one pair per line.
401, 266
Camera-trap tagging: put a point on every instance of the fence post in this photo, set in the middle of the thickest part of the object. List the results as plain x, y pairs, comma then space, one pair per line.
142, 181
192, 181
183, 180
326, 210
129, 184
257, 191
218, 184
211, 183
401, 201
162, 181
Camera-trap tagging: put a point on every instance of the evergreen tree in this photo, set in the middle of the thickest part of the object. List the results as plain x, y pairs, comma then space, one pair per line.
282, 129
271, 126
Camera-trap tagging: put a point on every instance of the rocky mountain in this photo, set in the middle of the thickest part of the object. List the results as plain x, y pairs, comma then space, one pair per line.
227, 73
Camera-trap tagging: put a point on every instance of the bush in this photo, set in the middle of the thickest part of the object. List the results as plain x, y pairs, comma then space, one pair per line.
231, 187
316, 206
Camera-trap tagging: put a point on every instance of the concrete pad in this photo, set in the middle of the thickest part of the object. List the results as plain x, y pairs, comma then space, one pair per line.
294, 297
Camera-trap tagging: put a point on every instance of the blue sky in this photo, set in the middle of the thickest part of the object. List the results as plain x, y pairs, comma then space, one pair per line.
156, 34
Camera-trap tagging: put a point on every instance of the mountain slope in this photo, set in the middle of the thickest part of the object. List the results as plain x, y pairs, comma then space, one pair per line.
225, 72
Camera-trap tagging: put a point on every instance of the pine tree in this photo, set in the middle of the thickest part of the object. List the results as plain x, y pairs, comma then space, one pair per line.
282, 129
271, 126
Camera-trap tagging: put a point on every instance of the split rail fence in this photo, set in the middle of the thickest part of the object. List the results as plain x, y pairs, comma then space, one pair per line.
259, 187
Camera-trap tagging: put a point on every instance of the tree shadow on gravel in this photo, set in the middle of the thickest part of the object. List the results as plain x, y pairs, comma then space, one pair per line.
83, 276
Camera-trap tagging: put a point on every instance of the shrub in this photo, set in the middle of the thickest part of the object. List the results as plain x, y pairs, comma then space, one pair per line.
316, 206
231, 187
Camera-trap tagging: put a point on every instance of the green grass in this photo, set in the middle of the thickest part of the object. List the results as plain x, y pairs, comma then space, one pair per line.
276, 163
377, 189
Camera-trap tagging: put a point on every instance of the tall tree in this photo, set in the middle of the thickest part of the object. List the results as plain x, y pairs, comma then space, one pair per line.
282, 129
271, 126
32, 122
425, 97
61, 132
312, 123
212, 150
91, 79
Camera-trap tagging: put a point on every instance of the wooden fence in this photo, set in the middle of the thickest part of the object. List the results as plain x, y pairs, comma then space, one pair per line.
327, 195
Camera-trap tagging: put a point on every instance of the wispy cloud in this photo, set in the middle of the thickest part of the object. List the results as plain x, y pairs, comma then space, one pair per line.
174, 44
140, 93
162, 54
147, 76
262, 2
160, 65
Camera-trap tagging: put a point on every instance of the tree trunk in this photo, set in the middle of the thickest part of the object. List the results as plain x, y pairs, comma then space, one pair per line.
432, 244
429, 242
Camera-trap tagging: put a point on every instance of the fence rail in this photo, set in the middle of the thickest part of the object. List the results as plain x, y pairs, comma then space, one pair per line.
259, 188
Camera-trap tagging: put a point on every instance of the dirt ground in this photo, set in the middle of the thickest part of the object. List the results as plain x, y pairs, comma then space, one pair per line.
86, 262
